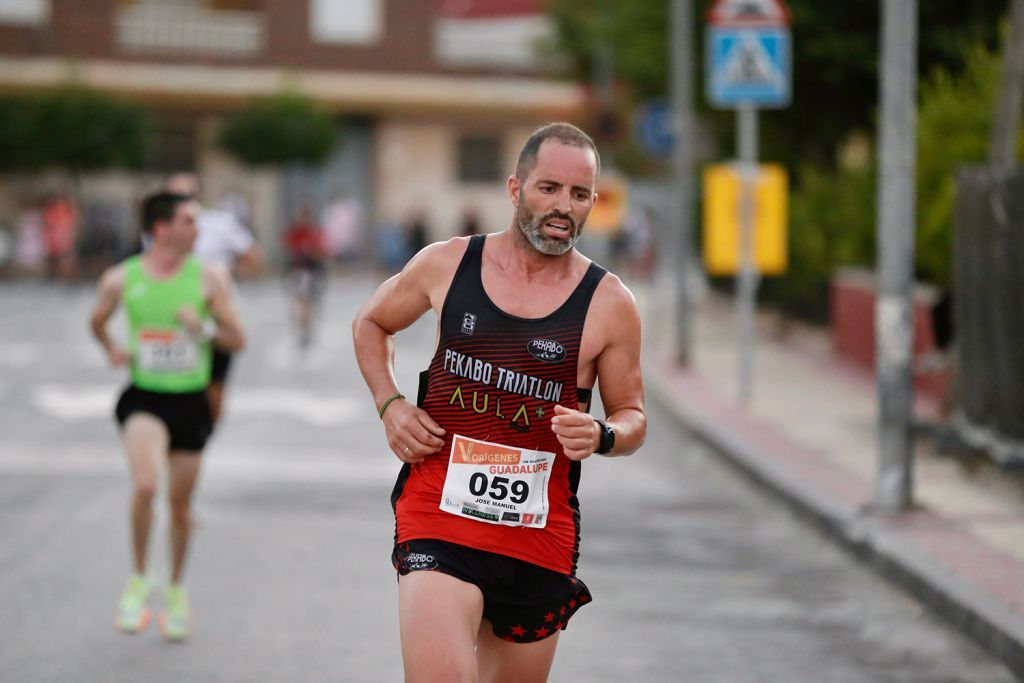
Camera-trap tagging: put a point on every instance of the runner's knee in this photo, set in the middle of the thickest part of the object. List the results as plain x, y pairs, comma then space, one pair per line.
181, 512
145, 489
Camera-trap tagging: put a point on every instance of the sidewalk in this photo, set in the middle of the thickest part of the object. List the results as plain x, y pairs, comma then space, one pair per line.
809, 434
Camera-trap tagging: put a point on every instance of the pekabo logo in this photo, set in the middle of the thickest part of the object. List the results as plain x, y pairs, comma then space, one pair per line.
468, 323
546, 350
417, 562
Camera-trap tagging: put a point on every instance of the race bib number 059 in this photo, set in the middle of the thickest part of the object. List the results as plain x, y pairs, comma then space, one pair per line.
498, 484
167, 351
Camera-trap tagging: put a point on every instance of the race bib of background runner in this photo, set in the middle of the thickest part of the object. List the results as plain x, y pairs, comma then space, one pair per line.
166, 351
498, 484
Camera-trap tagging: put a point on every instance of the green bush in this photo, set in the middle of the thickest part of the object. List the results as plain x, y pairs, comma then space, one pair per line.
71, 127
954, 128
833, 213
283, 128
831, 224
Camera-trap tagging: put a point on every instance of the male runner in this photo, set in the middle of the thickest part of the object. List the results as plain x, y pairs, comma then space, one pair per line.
176, 309
487, 520
222, 241
308, 261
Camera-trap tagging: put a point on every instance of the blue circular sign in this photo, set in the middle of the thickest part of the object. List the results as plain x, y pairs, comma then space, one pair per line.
653, 129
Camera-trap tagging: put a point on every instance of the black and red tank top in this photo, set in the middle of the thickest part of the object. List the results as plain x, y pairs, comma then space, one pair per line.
497, 377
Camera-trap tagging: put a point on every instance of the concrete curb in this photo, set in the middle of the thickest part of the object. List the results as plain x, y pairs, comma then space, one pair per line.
991, 624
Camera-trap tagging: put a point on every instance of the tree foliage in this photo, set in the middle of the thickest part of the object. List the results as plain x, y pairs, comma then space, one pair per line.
283, 128
71, 127
954, 129
835, 59
833, 212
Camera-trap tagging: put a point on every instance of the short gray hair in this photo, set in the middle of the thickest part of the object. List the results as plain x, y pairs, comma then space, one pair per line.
566, 133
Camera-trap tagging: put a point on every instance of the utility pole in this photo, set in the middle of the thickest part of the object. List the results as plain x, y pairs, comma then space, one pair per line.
1002, 151
746, 292
681, 60
896, 227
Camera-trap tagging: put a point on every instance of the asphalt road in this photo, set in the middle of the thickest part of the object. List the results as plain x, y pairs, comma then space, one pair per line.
697, 575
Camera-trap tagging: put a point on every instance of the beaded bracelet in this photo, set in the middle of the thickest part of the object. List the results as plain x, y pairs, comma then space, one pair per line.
383, 407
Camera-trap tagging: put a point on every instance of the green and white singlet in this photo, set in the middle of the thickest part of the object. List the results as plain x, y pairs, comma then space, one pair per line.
165, 358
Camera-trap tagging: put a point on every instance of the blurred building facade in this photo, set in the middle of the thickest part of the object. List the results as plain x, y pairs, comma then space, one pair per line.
434, 97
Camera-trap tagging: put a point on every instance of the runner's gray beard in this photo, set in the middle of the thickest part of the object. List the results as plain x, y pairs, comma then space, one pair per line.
530, 226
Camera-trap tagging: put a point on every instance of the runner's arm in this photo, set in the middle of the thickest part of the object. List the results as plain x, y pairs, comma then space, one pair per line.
251, 261
619, 379
229, 335
396, 305
107, 299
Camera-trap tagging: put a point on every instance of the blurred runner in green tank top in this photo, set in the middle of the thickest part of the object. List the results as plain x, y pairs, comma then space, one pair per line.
177, 309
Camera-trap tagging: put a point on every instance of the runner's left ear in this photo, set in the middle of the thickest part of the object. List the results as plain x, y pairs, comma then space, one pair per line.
514, 187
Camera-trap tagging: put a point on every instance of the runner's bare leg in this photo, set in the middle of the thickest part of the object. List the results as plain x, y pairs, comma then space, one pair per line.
183, 475
439, 616
145, 441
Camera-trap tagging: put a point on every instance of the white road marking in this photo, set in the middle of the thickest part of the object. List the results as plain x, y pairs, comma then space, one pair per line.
95, 402
221, 462
321, 410
19, 354
72, 403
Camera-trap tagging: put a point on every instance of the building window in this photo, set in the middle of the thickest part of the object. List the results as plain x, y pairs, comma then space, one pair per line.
351, 22
479, 159
191, 28
171, 147
27, 12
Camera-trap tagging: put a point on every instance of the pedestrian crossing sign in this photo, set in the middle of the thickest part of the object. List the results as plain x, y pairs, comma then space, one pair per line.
748, 65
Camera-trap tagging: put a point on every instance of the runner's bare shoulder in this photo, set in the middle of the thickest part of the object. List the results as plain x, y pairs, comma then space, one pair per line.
112, 279
216, 277
434, 266
615, 305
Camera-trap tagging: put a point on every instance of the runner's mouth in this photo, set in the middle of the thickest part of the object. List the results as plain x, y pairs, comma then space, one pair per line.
560, 228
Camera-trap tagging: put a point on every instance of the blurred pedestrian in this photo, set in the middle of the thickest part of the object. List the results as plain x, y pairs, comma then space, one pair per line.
223, 241
176, 309
417, 233
487, 519
470, 223
392, 247
100, 242
342, 220
308, 257
29, 246
60, 234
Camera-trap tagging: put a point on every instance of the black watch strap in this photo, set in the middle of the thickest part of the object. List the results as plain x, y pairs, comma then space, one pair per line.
607, 441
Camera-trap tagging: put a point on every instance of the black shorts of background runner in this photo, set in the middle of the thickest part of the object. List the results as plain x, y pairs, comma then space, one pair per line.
187, 415
306, 281
525, 603
219, 365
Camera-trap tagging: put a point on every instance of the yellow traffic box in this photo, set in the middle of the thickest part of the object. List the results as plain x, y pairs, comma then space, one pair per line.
722, 215
609, 213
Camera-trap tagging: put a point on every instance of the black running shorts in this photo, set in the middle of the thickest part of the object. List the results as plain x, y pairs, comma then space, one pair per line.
525, 603
187, 415
219, 365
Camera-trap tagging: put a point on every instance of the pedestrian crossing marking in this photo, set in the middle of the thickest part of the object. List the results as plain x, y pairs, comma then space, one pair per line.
96, 402
750, 65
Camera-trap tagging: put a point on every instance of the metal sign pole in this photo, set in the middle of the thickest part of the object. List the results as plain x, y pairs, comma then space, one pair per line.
894, 326
748, 49
682, 172
746, 136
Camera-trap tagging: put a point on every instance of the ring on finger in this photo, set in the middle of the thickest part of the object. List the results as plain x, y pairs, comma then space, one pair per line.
405, 450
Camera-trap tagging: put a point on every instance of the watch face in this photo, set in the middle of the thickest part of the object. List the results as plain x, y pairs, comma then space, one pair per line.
607, 438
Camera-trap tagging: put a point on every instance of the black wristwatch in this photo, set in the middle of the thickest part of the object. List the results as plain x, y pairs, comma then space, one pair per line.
607, 442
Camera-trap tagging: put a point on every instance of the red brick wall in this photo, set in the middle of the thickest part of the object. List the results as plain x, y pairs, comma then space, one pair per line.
85, 28
852, 325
